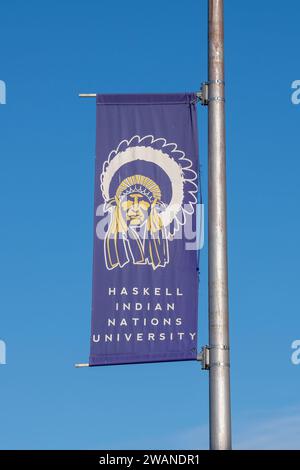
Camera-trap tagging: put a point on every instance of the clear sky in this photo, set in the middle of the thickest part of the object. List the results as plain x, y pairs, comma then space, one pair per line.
51, 51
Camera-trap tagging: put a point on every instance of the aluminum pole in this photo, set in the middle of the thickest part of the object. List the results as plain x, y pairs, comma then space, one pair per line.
219, 361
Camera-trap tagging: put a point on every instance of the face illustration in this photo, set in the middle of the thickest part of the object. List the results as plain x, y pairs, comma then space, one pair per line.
136, 209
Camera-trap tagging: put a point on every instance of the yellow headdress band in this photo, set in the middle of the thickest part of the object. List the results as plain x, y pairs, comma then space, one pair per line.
140, 184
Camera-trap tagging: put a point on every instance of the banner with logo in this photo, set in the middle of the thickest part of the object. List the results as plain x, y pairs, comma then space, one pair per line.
145, 263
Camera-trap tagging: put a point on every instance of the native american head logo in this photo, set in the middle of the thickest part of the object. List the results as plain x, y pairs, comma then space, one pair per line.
149, 189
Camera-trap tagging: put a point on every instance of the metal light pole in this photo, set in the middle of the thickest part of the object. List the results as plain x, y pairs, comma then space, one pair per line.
219, 362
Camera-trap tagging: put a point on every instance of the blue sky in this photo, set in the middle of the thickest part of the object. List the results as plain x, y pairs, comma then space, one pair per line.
51, 51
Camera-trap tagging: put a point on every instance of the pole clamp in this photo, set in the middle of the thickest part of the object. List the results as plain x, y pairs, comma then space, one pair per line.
203, 94
222, 347
216, 98
216, 82
204, 356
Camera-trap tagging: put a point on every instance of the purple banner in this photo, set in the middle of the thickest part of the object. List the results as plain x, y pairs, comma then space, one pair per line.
145, 270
